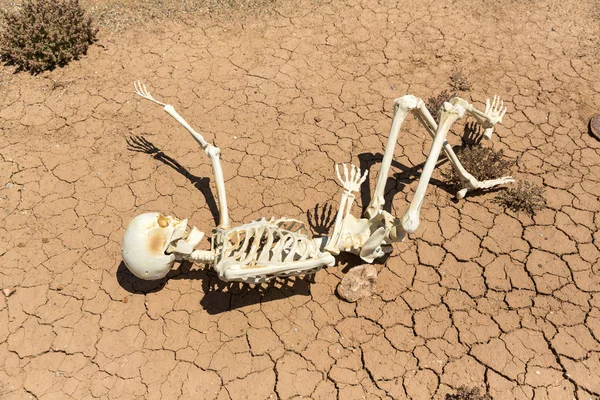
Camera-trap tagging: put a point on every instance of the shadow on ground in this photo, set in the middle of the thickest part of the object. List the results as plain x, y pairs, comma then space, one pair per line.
140, 144
219, 296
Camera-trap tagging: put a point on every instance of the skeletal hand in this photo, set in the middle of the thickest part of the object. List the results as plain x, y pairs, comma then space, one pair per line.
352, 180
494, 112
140, 90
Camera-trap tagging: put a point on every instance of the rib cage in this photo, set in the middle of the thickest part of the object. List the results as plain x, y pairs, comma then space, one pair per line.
268, 241
263, 249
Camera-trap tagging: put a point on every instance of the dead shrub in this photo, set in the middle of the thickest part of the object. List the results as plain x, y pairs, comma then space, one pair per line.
482, 162
524, 196
465, 393
434, 103
459, 82
44, 34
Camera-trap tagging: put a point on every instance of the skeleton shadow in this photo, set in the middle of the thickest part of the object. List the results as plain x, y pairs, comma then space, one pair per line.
219, 296
134, 285
222, 296
472, 135
321, 219
397, 182
140, 144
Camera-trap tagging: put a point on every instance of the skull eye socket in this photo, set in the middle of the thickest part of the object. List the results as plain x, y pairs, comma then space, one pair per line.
163, 221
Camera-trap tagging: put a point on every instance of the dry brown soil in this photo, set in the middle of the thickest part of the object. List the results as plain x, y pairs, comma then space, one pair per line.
478, 297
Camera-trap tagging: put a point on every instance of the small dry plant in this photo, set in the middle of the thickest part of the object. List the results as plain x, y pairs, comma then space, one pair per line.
44, 34
482, 162
459, 82
465, 393
524, 196
434, 103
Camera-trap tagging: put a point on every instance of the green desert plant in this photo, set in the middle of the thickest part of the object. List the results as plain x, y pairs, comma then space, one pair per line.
464, 393
482, 162
524, 196
44, 34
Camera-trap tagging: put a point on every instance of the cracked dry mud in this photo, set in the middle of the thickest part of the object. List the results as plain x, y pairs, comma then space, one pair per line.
478, 297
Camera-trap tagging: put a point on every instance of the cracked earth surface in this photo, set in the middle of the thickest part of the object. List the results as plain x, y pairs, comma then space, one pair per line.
478, 297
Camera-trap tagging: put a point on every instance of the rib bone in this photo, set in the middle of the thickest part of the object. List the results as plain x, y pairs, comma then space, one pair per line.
263, 249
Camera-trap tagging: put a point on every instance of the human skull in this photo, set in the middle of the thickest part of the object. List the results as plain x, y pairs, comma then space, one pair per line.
145, 243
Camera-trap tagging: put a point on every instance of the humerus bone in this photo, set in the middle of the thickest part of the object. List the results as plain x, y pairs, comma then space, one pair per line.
264, 249
212, 152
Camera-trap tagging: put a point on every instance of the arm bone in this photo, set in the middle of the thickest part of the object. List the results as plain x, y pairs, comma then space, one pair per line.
212, 152
350, 184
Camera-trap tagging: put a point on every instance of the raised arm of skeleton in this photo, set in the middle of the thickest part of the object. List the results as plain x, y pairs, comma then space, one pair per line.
351, 182
211, 151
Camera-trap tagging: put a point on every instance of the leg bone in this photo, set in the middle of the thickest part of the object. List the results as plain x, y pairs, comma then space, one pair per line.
450, 114
403, 106
488, 119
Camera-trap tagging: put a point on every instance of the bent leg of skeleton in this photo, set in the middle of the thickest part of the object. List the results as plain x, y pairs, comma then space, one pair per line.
426, 119
487, 119
402, 106
449, 115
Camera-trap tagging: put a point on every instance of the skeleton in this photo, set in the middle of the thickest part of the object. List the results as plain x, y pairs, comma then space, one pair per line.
266, 248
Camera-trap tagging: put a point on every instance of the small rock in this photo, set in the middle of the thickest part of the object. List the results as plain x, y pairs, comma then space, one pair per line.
9, 185
595, 126
8, 291
359, 282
